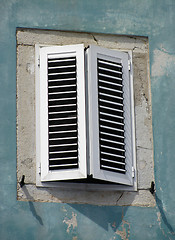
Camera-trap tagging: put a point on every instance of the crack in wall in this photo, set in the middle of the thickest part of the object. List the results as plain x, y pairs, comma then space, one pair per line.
119, 198
95, 39
144, 148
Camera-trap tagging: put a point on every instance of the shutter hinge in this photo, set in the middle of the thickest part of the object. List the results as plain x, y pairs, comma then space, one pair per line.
129, 65
133, 172
39, 168
38, 62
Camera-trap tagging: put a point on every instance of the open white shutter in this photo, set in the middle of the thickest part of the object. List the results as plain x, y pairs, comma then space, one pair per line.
61, 118
110, 115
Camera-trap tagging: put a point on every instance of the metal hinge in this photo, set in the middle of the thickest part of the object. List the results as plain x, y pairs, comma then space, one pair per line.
129, 65
39, 168
38, 62
133, 172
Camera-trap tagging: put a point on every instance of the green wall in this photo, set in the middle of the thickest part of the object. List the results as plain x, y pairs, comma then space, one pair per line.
51, 221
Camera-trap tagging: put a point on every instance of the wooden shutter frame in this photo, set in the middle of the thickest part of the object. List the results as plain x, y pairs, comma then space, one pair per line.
42, 114
127, 179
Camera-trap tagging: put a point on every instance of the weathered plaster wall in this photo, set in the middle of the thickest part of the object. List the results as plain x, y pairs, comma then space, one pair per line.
29, 220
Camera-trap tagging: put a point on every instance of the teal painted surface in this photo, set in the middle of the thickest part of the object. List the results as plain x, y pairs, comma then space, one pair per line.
28, 220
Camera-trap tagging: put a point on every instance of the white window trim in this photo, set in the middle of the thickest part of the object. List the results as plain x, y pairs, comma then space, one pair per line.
85, 185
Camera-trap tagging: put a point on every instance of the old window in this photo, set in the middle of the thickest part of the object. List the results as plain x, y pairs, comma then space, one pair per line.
96, 100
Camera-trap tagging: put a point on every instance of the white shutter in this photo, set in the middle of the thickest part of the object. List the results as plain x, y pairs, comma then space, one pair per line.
61, 116
110, 115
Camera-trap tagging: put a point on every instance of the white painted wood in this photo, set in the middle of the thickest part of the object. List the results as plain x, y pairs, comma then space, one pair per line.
42, 112
93, 164
93, 53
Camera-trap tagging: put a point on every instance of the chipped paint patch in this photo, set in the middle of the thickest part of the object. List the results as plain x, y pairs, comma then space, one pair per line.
64, 209
158, 216
159, 222
125, 232
71, 222
162, 61
74, 238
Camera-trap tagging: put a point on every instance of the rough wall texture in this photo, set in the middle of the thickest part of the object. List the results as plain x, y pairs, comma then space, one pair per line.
31, 220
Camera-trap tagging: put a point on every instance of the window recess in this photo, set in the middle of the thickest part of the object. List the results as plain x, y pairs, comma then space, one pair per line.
65, 114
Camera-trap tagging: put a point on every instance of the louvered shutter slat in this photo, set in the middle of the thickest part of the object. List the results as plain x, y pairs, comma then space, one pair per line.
63, 154
112, 156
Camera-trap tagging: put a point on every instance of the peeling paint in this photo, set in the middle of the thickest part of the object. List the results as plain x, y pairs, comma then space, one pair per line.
162, 63
125, 232
71, 222
74, 238
159, 222
64, 209
158, 216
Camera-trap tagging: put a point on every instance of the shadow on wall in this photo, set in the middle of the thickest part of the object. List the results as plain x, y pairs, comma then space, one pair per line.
102, 216
31, 205
106, 218
162, 213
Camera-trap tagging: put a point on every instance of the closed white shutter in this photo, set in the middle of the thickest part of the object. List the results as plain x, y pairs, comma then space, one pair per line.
61, 124
110, 115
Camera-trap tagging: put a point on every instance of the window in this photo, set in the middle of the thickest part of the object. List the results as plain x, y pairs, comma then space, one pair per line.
84, 190
84, 91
